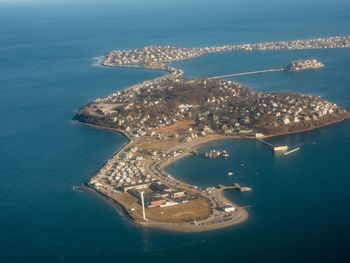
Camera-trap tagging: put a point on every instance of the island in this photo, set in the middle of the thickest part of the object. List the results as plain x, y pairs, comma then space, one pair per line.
306, 64
170, 117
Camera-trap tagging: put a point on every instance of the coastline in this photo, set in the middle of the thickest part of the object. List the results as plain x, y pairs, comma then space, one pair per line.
344, 118
170, 227
215, 220
177, 227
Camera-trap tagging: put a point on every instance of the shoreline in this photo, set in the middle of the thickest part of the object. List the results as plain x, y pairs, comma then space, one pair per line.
169, 227
216, 219
179, 227
308, 129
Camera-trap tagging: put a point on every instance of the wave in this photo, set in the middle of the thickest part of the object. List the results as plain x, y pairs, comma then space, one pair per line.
97, 61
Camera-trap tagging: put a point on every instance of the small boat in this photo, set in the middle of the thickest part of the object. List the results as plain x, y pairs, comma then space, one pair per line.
245, 189
225, 154
230, 173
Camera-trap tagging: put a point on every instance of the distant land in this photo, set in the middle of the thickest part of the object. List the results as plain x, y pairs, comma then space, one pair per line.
159, 56
170, 117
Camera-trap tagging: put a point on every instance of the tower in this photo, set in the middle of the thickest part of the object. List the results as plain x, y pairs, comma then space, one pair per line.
143, 206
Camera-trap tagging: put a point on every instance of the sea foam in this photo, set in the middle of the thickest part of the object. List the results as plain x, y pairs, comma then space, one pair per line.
96, 61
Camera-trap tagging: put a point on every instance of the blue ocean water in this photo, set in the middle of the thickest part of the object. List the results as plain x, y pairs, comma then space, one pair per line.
299, 208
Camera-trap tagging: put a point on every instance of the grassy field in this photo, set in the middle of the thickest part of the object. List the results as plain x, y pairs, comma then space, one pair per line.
153, 144
188, 212
179, 127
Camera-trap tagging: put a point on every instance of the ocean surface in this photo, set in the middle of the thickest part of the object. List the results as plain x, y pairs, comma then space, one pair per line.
300, 206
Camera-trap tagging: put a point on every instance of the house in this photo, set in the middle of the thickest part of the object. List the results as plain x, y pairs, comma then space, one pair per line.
228, 208
178, 194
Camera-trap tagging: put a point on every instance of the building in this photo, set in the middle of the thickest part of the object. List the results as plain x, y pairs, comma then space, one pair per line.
169, 203
280, 148
178, 194
259, 135
159, 187
135, 186
228, 208
154, 202
135, 192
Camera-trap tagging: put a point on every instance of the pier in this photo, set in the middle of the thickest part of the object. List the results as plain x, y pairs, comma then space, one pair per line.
248, 73
236, 186
292, 151
274, 148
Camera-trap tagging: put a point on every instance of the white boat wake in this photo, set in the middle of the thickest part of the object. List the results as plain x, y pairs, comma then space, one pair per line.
97, 61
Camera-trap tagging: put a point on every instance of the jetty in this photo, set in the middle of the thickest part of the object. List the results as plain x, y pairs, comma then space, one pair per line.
248, 73
298, 65
274, 148
235, 186
292, 151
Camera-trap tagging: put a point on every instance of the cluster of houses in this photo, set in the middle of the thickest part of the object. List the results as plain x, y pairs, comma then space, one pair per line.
149, 55
120, 173
146, 106
158, 55
293, 108
304, 65
218, 105
125, 174
317, 43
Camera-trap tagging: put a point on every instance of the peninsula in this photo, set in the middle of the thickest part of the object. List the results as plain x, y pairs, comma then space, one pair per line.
170, 117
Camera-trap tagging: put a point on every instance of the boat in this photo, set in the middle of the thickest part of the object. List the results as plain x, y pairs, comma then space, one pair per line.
225, 154
213, 154
245, 189
230, 173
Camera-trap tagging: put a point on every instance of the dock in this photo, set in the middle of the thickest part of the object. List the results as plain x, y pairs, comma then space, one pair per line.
236, 186
291, 151
274, 148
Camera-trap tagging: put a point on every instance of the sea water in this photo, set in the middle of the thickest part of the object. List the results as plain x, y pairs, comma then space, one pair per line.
299, 206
